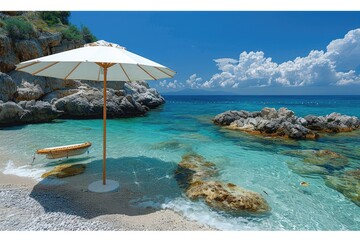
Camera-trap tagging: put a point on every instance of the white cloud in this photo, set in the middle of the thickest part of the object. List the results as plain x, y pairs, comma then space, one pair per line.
194, 82
171, 84
333, 67
346, 51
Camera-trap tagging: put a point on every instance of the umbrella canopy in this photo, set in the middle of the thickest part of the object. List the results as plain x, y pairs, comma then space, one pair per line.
98, 61
85, 63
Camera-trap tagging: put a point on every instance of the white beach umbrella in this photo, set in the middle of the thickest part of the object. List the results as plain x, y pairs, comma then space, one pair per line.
98, 61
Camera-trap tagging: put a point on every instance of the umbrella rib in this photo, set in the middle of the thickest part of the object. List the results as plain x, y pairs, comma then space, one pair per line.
99, 74
147, 72
48, 66
125, 72
163, 72
28, 65
72, 70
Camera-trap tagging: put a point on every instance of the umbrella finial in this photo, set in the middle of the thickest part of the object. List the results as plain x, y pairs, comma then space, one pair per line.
105, 44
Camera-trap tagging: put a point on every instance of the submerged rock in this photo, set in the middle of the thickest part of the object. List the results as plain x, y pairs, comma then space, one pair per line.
283, 123
169, 145
348, 184
197, 177
228, 197
323, 158
65, 170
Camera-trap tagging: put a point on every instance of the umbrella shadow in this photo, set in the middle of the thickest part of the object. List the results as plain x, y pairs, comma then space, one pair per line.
145, 184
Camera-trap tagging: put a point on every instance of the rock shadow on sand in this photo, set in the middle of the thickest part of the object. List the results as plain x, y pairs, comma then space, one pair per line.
145, 184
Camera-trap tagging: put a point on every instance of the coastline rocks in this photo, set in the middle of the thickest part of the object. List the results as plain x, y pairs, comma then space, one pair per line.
26, 112
65, 170
38, 112
89, 104
347, 183
283, 123
66, 98
196, 176
333, 122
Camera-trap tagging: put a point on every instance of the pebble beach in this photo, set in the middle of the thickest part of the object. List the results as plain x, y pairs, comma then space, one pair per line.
19, 211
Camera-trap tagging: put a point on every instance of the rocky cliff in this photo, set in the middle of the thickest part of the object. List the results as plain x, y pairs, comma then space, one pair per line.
32, 99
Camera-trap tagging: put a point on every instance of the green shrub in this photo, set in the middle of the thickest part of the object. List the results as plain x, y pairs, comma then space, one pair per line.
55, 17
19, 28
72, 33
87, 36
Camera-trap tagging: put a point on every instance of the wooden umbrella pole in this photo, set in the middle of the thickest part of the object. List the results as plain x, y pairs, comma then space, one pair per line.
104, 127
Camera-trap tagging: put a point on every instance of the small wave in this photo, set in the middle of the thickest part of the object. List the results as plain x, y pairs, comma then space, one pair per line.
208, 217
23, 171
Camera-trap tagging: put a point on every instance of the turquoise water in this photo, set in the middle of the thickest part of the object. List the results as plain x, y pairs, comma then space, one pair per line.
143, 153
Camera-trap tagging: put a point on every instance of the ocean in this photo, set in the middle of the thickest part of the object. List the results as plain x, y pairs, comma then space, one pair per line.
143, 153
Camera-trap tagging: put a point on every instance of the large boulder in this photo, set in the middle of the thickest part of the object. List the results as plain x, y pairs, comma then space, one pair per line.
38, 112
47, 84
197, 177
228, 197
89, 104
10, 113
7, 87
269, 113
228, 117
28, 92
26, 112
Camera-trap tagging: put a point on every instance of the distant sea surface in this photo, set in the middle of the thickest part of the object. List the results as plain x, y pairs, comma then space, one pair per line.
143, 153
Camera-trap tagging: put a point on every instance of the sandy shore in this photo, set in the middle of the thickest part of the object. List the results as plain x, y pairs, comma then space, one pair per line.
28, 205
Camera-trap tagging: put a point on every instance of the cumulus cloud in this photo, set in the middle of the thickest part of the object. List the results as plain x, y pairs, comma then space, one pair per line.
194, 81
171, 84
333, 67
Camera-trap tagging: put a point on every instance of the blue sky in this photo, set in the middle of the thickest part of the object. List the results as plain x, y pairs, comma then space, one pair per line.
189, 42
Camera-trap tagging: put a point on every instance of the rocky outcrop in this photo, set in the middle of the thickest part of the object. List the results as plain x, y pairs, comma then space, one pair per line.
39, 99
333, 123
24, 95
65, 170
283, 123
89, 104
197, 177
25, 112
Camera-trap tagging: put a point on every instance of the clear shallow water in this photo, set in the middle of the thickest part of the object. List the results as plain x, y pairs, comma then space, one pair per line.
144, 152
